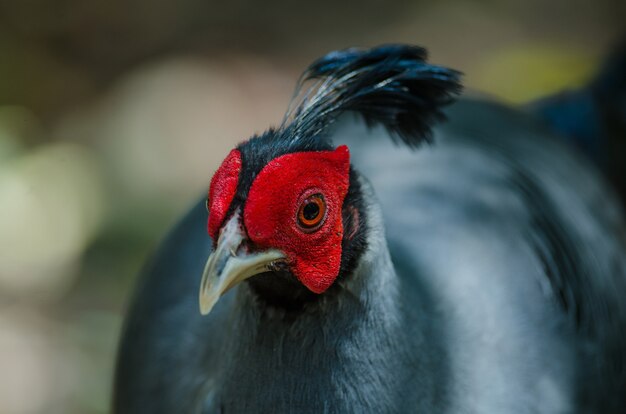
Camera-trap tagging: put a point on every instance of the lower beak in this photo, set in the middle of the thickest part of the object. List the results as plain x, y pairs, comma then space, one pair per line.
230, 264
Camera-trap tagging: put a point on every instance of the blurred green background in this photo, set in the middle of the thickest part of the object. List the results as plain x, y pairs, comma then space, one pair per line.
114, 115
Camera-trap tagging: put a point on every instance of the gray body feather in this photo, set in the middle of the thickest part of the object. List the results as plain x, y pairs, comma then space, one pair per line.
493, 282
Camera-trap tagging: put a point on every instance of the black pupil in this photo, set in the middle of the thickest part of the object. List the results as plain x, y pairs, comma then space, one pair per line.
311, 211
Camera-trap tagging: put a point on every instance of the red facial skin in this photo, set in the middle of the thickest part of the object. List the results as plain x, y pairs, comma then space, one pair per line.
222, 190
271, 210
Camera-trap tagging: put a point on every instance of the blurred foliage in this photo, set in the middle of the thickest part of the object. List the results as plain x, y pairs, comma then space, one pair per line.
545, 70
114, 114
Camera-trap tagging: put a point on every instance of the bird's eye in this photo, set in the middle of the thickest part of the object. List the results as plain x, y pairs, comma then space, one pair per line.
312, 212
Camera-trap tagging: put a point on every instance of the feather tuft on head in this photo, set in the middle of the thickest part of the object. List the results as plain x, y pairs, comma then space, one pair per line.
392, 85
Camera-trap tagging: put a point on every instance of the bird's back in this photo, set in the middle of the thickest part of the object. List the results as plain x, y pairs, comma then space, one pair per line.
520, 245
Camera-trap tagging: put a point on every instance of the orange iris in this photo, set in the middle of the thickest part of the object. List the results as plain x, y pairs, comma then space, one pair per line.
312, 211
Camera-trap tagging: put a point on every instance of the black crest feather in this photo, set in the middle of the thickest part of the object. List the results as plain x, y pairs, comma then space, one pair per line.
392, 85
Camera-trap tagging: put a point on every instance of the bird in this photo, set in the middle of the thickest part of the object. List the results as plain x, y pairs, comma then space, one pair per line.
392, 246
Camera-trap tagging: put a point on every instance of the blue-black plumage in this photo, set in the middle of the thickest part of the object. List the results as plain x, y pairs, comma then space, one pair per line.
481, 274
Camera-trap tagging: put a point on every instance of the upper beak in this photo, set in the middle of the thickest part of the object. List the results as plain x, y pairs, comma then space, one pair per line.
231, 263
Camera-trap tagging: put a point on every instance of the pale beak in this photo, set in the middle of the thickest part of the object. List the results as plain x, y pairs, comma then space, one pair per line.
231, 263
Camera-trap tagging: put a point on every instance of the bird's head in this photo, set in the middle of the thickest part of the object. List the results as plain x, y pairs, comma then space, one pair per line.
287, 204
